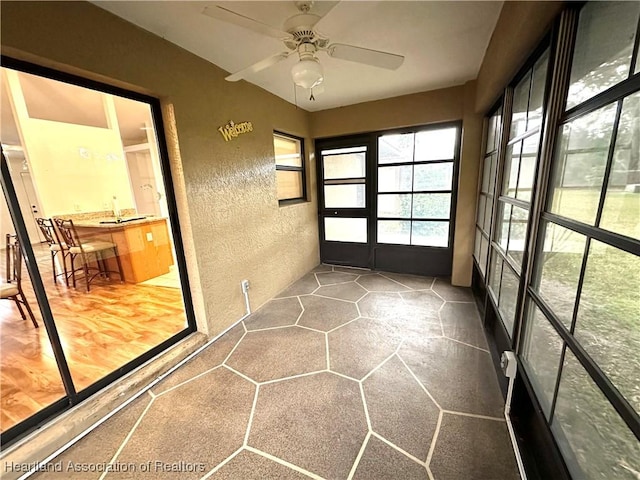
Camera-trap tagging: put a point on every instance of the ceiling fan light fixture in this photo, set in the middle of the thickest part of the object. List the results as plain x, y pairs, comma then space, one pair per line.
307, 73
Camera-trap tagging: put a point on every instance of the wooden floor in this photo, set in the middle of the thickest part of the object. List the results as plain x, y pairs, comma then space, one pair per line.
100, 331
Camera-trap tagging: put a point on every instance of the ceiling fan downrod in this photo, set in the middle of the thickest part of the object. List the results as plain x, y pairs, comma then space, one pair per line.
304, 6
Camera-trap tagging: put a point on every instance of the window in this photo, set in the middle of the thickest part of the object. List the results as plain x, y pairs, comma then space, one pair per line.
344, 177
604, 48
487, 187
290, 171
515, 191
579, 335
541, 355
583, 297
344, 187
593, 438
415, 182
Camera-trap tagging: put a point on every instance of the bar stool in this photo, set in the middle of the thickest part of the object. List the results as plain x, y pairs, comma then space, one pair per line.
56, 247
77, 248
11, 288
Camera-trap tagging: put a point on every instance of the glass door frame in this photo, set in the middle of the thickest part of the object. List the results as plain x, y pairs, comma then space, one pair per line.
351, 254
365, 255
74, 397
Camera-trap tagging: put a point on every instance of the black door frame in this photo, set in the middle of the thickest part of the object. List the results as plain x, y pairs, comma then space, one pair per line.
73, 397
345, 253
403, 257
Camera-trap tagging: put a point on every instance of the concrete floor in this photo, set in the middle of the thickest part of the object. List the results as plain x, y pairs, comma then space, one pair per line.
346, 374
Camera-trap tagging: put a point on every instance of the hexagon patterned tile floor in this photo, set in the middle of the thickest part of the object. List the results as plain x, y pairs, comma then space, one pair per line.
347, 374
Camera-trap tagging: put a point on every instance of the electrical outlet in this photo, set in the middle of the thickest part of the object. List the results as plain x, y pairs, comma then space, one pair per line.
509, 364
76, 207
245, 286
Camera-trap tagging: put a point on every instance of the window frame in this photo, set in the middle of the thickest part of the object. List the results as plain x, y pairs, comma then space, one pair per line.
541, 213
452, 192
497, 113
534, 425
289, 168
500, 198
613, 95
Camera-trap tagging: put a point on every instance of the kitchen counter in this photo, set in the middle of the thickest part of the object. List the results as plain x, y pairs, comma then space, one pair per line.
111, 223
143, 244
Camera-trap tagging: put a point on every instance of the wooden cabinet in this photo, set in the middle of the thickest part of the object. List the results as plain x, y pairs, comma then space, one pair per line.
144, 247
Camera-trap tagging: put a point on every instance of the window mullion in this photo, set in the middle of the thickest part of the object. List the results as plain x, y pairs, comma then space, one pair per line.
507, 108
609, 164
413, 174
507, 113
556, 386
557, 88
634, 55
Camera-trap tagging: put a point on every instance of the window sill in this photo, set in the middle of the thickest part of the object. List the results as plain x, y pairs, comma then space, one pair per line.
292, 201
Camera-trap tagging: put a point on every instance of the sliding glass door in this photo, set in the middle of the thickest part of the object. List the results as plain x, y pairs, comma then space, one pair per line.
31, 378
85, 174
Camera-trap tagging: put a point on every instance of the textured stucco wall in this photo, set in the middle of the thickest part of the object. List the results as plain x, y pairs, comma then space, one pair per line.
465, 228
520, 27
443, 105
232, 225
435, 106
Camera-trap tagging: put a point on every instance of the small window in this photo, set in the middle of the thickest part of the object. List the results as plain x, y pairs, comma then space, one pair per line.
290, 173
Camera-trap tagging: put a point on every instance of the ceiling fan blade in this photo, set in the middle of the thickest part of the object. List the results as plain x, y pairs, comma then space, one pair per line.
329, 6
256, 67
221, 13
376, 58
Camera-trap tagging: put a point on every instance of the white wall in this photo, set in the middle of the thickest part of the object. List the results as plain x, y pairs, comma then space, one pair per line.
6, 224
76, 168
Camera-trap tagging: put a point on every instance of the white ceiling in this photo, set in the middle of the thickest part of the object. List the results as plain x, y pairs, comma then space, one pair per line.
52, 100
443, 43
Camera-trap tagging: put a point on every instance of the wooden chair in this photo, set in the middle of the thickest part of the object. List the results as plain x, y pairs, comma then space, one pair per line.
84, 250
11, 289
56, 247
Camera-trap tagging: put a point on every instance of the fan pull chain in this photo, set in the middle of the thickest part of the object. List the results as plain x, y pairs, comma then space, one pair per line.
311, 97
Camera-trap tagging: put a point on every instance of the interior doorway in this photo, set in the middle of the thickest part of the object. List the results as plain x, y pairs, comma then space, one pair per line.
33, 205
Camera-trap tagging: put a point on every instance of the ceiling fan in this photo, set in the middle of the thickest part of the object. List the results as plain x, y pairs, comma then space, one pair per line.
300, 35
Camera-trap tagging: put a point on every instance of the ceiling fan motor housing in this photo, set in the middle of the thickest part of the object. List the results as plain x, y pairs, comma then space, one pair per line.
301, 26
